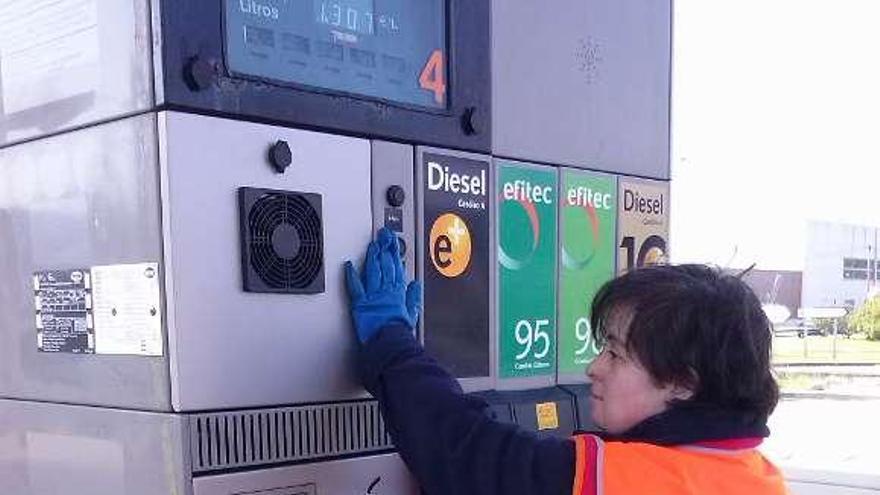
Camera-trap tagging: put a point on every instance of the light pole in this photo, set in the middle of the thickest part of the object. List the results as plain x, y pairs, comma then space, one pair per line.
872, 266
876, 268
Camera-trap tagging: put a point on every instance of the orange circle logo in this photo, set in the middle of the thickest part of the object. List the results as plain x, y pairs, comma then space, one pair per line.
450, 245
655, 256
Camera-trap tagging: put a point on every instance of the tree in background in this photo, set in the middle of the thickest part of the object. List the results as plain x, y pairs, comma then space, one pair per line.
866, 319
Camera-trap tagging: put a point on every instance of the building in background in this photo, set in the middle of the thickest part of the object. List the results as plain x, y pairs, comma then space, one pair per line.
781, 287
841, 266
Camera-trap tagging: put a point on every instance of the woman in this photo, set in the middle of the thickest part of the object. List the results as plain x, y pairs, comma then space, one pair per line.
682, 391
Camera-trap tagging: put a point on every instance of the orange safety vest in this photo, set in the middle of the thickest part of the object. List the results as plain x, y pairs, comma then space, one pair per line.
626, 468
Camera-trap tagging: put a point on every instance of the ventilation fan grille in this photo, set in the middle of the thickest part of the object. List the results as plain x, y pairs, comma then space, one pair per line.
282, 241
273, 436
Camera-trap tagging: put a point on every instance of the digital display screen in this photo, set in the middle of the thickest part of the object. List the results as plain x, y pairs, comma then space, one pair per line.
392, 50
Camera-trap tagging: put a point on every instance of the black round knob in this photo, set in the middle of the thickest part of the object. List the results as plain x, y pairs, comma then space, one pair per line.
280, 156
199, 74
470, 121
395, 195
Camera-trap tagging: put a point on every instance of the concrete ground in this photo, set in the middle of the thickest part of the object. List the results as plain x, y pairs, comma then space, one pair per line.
827, 445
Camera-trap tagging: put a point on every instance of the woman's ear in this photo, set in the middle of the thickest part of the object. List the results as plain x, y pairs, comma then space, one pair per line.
680, 393
677, 393
686, 391
683, 391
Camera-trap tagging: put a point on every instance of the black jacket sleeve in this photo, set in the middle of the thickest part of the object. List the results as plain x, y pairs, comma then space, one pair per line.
446, 438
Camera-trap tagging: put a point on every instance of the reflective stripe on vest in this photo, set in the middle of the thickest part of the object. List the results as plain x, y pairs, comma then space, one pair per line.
624, 468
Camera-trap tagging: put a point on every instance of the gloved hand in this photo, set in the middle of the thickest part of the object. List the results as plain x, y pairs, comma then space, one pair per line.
380, 295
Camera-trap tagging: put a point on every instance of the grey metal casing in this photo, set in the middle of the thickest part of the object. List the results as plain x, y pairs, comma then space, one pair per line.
532, 381
393, 166
69, 64
583, 83
467, 384
73, 201
381, 474
233, 349
110, 195
74, 63
46, 449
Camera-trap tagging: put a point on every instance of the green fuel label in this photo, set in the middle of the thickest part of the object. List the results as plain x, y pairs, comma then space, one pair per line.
527, 232
588, 209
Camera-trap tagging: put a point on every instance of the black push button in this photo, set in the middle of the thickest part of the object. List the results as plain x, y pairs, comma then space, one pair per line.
395, 195
280, 156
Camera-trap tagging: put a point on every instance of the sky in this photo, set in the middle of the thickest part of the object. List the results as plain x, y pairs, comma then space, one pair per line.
775, 121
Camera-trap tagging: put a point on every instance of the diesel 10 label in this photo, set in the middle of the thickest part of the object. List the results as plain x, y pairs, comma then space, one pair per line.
644, 223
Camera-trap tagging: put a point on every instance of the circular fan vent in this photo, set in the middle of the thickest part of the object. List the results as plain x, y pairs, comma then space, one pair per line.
284, 241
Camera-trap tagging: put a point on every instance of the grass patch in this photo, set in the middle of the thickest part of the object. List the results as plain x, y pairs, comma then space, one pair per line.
800, 382
816, 349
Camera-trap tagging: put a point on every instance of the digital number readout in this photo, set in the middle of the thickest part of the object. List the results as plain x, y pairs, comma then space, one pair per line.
391, 50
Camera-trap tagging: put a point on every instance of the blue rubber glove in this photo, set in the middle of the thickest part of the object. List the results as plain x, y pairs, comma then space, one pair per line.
380, 295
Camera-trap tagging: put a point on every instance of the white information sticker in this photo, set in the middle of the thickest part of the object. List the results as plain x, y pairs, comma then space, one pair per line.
49, 50
126, 309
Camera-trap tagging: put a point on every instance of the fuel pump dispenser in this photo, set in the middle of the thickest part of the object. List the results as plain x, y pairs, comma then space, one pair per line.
181, 182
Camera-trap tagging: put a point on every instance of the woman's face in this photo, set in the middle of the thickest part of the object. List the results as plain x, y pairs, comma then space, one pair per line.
623, 392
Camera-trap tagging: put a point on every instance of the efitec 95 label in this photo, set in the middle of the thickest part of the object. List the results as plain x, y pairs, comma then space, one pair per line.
526, 248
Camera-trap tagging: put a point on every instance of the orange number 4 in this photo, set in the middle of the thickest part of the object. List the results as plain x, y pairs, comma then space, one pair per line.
433, 77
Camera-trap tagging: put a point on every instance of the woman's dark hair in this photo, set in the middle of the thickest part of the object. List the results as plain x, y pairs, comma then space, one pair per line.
696, 327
